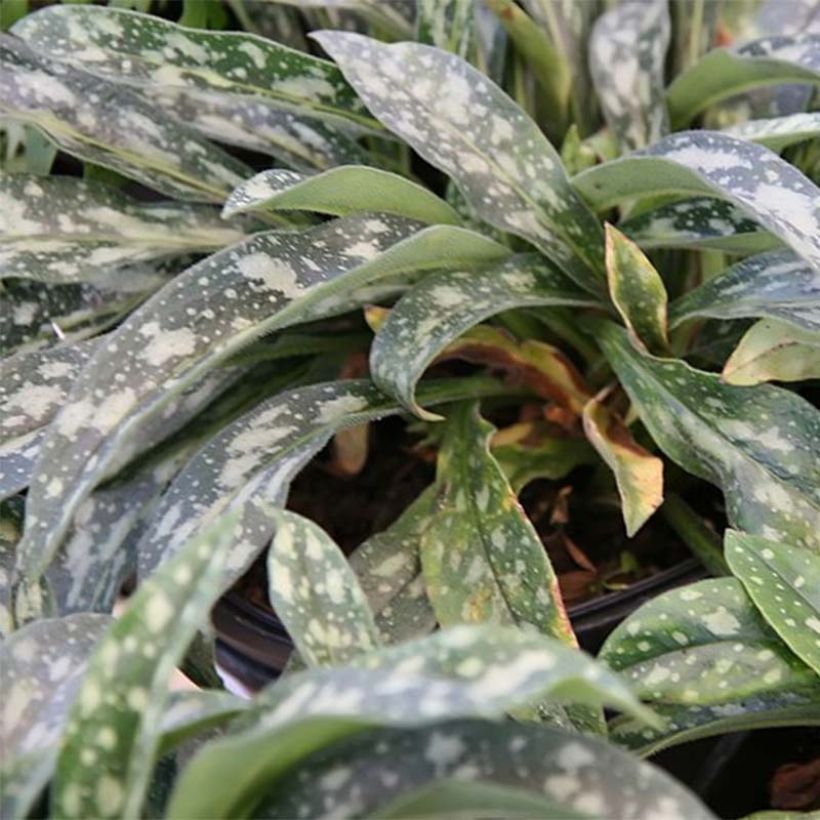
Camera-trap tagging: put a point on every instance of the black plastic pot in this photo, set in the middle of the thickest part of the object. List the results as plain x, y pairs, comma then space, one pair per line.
253, 646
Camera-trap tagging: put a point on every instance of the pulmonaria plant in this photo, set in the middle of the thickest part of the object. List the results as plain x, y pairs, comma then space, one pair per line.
523, 188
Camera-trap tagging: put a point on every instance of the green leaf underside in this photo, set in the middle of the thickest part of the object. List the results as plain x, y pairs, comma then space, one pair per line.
760, 444
481, 559
63, 229
723, 73
42, 665
111, 126
455, 118
778, 133
146, 51
268, 282
339, 191
108, 751
768, 189
775, 285
774, 351
699, 222
436, 311
316, 595
704, 644
627, 49
460, 672
584, 777
782, 580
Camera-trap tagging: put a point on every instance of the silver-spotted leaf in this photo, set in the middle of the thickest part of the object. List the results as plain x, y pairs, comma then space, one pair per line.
769, 190
448, 24
438, 310
316, 594
627, 49
760, 445
776, 285
108, 751
778, 133
774, 351
339, 191
782, 580
462, 123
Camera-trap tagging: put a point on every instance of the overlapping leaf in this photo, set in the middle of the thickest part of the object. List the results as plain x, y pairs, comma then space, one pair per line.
63, 229
108, 751
316, 595
775, 285
760, 445
438, 310
447, 24
774, 351
782, 580
340, 191
778, 133
392, 17
764, 186
109, 125
189, 712
460, 122
627, 49
724, 72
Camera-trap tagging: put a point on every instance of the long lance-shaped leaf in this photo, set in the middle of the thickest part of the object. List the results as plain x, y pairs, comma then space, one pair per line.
637, 291
107, 754
316, 594
627, 49
724, 73
146, 51
760, 445
339, 192
61, 229
458, 672
189, 712
579, 776
764, 186
775, 285
774, 351
438, 310
481, 558
638, 474
782, 580
43, 665
109, 125
778, 133
462, 123
448, 24
701, 223
704, 644
202, 317
33, 387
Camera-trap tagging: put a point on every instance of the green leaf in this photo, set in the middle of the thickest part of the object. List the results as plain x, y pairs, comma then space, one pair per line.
149, 52
775, 285
270, 281
447, 24
392, 17
436, 311
774, 351
638, 474
699, 223
778, 133
481, 558
189, 712
63, 229
781, 579
316, 594
43, 665
637, 291
455, 118
769, 190
760, 445
455, 673
704, 644
545, 766
725, 72
340, 191
627, 49
109, 125
108, 751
